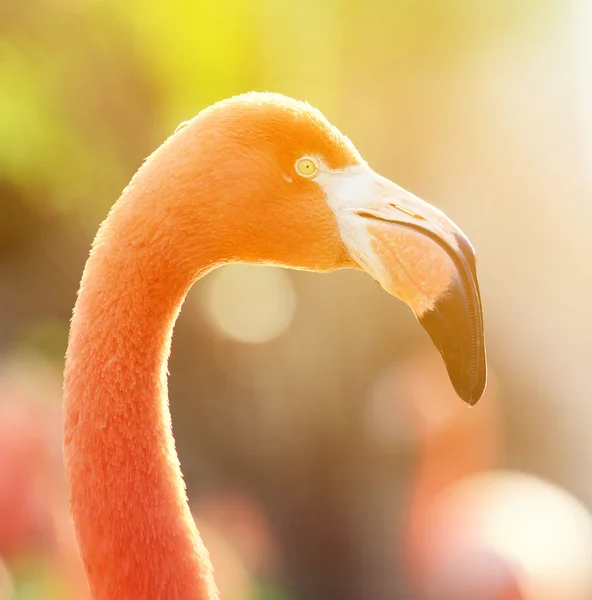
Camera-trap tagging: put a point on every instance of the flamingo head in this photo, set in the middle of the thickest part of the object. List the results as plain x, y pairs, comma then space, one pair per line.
307, 200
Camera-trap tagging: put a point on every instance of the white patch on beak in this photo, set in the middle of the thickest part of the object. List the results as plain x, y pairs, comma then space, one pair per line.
376, 219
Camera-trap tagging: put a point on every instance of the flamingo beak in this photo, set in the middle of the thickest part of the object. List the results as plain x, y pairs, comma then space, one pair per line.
418, 255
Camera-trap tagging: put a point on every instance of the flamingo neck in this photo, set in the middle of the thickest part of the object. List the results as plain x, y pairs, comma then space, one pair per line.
127, 497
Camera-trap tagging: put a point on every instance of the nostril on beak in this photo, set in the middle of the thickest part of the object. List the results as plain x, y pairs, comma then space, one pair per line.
406, 211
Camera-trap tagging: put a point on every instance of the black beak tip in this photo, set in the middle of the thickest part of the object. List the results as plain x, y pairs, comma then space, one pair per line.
459, 338
470, 395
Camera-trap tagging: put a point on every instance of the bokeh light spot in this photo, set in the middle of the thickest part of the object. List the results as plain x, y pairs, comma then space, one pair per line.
249, 304
535, 524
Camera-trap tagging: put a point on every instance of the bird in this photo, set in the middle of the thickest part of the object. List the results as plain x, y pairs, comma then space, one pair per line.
256, 178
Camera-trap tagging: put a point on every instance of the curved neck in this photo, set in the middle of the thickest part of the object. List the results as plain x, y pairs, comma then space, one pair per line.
205, 197
127, 498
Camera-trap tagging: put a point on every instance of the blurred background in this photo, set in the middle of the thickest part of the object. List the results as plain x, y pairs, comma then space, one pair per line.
326, 454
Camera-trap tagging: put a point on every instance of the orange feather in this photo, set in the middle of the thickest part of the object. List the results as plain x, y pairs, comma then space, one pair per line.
220, 189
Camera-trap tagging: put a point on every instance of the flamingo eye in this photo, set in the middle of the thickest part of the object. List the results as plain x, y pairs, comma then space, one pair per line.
307, 167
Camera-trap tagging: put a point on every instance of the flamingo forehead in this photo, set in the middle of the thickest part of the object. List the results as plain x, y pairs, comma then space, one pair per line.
290, 127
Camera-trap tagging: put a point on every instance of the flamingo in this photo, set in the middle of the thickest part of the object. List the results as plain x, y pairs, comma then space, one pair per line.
258, 178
